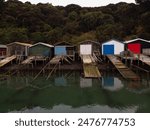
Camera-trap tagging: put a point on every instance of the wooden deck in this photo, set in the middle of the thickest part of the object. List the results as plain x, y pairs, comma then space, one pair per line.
126, 72
90, 68
145, 59
7, 60
87, 59
56, 59
28, 60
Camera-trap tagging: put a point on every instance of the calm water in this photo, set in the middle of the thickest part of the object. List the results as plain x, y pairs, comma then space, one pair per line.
69, 92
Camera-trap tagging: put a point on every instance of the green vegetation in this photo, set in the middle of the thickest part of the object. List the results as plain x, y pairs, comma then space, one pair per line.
26, 22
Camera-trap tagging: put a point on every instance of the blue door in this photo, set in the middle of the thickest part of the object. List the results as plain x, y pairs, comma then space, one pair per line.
108, 49
60, 50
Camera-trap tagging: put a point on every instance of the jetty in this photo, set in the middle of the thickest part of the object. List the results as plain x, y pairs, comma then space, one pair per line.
28, 61
145, 59
89, 67
7, 60
126, 72
56, 59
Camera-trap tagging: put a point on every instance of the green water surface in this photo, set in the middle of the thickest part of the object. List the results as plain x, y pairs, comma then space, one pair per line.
69, 92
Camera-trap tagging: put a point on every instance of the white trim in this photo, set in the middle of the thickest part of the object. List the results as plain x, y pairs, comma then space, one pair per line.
3, 46
118, 46
41, 43
20, 43
133, 40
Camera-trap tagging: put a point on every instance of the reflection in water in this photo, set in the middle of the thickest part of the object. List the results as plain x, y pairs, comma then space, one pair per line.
112, 83
43, 95
85, 82
60, 81
86, 109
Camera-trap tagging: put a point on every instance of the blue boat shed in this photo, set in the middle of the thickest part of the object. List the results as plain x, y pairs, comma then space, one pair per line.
64, 49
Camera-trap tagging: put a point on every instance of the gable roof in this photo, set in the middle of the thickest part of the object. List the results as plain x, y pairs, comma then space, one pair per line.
112, 40
41, 43
3, 46
20, 43
137, 39
89, 41
63, 43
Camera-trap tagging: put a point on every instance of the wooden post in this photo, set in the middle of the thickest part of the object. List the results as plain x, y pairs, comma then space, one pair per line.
138, 60
131, 62
126, 58
59, 66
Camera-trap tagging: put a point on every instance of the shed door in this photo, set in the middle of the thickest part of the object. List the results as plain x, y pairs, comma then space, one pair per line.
108, 49
135, 48
60, 50
2, 51
85, 49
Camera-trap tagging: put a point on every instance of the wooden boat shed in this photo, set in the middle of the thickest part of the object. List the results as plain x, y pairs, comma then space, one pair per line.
64, 49
42, 50
89, 47
112, 47
138, 46
3, 51
18, 48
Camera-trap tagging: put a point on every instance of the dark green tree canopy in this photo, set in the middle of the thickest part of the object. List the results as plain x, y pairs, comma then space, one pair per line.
141, 1
26, 22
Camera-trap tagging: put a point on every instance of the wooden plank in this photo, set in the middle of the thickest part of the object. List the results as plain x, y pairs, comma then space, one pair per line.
90, 68
123, 69
56, 60
28, 60
7, 60
86, 59
91, 71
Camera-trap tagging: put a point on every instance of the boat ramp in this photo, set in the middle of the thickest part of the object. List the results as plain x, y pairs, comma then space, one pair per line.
90, 68
7, 60
126, 72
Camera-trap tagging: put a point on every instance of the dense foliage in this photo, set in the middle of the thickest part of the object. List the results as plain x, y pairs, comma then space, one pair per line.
27, 22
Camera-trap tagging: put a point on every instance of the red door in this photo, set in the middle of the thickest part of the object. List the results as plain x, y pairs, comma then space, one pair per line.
135, 48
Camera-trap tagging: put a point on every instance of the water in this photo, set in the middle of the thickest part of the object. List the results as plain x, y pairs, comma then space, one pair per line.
70, 92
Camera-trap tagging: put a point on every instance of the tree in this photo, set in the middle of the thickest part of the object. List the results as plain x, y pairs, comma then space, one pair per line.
109, 31
1, 5
141, 1
91, 20
13, 34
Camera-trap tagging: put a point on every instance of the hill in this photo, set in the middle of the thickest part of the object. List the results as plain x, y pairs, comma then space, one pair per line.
32, 23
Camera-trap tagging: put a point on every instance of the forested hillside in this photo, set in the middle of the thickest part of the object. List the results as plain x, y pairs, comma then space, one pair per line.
27, 22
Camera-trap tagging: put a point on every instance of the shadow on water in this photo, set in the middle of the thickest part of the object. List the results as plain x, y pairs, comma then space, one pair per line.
68, 91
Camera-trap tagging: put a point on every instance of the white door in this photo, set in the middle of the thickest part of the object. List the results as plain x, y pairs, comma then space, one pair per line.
85, 49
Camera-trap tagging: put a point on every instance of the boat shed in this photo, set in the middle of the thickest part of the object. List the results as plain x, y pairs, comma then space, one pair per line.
64, 49
89, 47
3, 51
112, 47
42, 49
138, 46
18, 48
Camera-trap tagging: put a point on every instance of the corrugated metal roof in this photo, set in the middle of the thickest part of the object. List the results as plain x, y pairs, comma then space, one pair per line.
3, 46
137, 39
20, 43
41, 43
